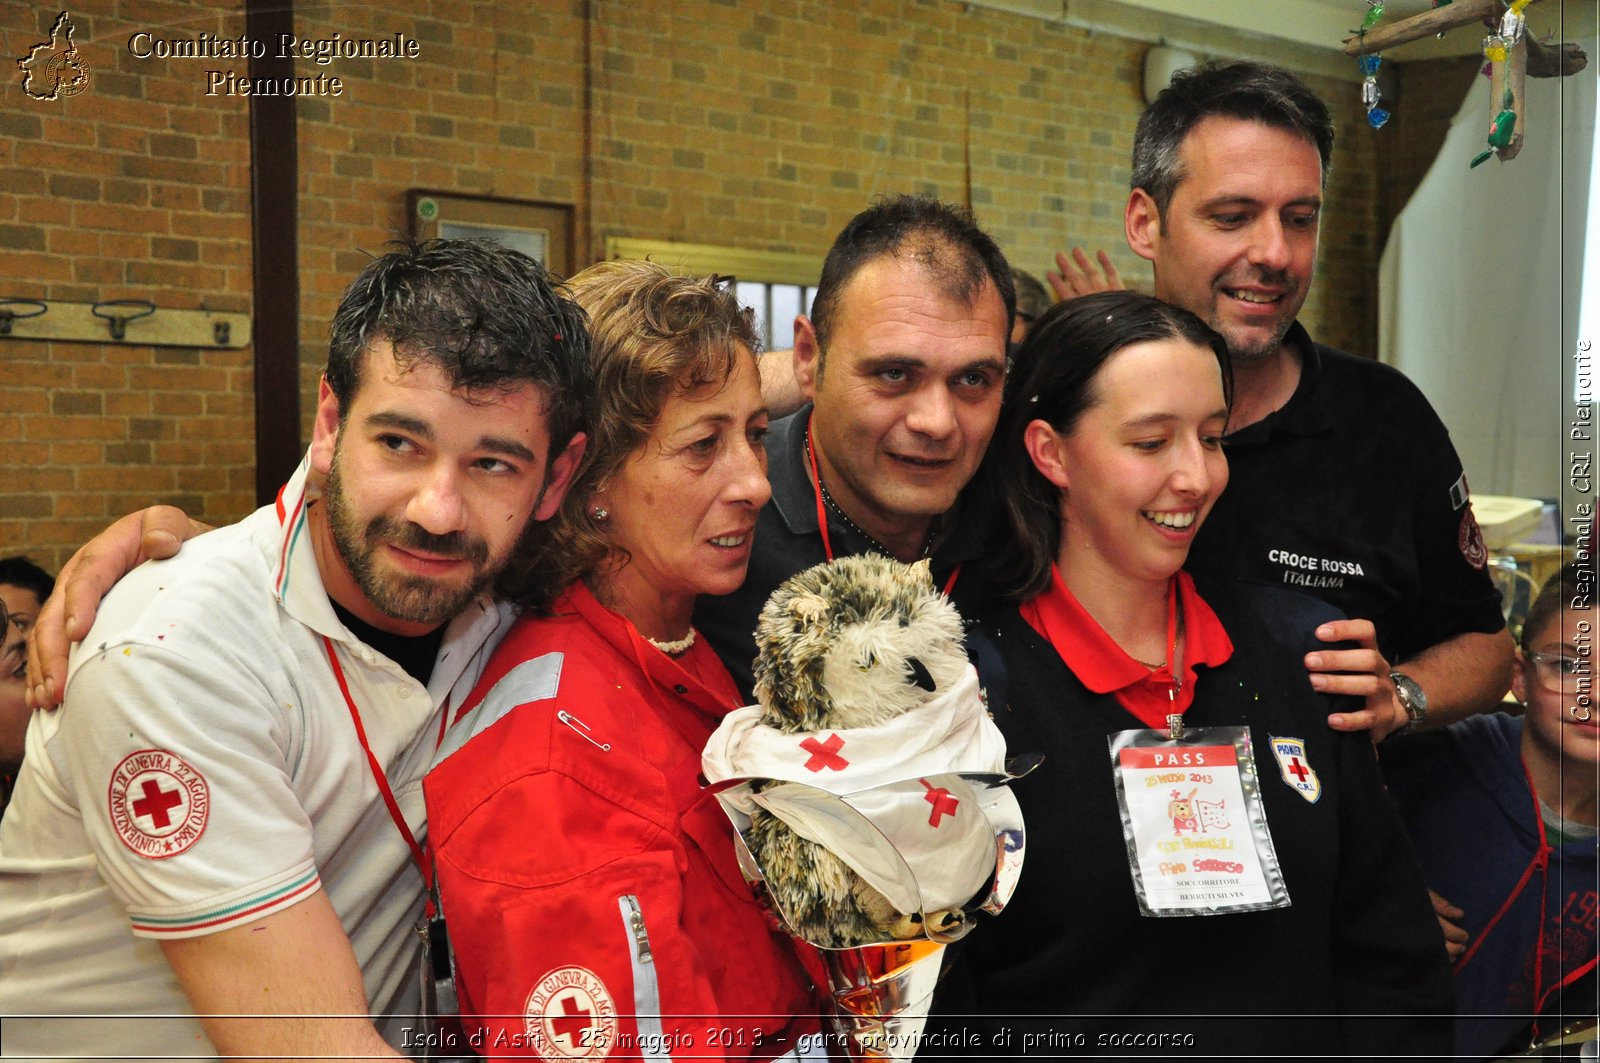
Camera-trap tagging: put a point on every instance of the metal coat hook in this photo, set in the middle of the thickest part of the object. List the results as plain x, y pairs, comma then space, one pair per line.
8, 315
52, 320
119, 322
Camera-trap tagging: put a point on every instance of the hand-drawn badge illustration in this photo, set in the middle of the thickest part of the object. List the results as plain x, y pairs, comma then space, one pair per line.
1213, 814
1181, 809
1296, 767
55, 68
1197, 817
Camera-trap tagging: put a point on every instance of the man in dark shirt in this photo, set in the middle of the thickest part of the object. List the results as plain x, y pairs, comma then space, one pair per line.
902, 363
1343, 482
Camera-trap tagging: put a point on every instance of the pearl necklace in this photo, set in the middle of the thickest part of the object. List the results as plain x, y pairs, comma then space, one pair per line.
674, 649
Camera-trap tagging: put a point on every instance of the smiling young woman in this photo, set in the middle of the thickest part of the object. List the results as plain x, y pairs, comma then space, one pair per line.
1146, 843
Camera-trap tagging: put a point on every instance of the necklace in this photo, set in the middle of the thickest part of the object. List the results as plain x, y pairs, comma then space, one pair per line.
674, 649
822, 490
1174, 633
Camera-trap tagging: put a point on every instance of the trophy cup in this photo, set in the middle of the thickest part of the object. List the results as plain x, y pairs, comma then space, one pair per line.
867, 788
881, 990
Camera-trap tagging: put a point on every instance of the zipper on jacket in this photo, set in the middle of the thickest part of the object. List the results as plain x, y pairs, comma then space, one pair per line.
646, 990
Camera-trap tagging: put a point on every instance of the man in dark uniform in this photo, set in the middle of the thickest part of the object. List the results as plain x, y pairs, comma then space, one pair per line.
902, 363
1343, 482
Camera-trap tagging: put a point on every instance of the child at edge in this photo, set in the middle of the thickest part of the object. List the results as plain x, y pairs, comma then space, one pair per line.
1502, 810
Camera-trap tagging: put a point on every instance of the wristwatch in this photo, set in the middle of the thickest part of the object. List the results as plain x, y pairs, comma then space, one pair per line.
1412, 699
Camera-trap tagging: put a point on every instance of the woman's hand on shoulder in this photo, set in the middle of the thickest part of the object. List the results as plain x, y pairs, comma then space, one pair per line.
1361, 671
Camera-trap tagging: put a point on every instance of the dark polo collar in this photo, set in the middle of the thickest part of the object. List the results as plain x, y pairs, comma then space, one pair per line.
795, 499
1303, 414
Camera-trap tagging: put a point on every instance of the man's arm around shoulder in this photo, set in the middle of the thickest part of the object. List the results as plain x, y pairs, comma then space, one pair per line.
1465, 674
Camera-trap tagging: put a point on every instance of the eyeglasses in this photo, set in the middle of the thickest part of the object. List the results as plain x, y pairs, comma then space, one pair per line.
1559, 673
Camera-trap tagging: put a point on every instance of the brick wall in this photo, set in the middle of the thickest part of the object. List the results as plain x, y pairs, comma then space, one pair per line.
135, 188
493, 107
762, 126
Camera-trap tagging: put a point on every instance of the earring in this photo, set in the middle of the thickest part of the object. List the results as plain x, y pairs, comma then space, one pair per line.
600, 514
1575, 710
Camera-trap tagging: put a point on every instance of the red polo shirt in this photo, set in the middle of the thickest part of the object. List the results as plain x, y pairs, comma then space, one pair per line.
1105, 668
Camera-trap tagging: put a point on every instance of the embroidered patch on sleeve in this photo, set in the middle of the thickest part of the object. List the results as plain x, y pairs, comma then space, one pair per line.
1470, 540
158, 803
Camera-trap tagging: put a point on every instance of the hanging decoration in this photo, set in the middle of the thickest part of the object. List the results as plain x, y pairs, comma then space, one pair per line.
1514, 22
1370, 93
1514, 55
1502, 49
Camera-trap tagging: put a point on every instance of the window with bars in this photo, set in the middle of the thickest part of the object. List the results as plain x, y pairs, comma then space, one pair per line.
776, 306
777, 285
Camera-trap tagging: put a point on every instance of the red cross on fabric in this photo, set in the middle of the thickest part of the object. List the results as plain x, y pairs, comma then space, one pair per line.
943, 804
573, 1021
825, 754
156, 802
1298, 769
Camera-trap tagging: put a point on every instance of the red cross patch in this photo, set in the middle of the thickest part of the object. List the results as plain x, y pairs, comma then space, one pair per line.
570, 1015
1295, 767
825, 754
943, 803
158, 803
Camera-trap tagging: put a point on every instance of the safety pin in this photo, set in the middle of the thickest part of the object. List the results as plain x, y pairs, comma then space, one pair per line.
582, 728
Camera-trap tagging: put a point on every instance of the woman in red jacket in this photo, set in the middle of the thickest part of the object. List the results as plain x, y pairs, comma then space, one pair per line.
593, 899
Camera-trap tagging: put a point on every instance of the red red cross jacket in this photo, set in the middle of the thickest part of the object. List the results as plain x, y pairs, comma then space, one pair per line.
590, 886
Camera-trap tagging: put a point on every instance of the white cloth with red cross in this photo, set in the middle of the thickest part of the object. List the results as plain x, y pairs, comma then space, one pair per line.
884, 799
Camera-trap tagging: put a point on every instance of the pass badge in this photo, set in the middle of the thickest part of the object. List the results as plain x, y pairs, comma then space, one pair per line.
1192, 818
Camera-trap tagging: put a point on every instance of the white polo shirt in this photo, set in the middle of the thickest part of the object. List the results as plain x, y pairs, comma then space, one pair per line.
205, 772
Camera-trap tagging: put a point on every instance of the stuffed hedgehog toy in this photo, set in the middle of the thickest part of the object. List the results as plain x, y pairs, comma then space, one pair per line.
843, 650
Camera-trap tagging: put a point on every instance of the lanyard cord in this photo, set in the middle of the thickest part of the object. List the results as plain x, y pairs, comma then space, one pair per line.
1172, 643
1566, 981
822, 512
381, 779
1540, 863
816, 490
1539, 998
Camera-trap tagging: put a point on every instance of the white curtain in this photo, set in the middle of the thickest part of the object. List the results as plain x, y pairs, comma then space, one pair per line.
1480, 286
